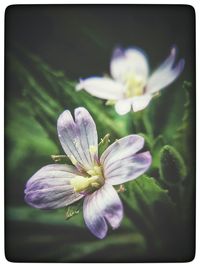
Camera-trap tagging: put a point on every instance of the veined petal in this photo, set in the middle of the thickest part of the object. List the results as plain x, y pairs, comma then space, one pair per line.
104, 88
50, 188
140, 102
129, 62
123, 106
165, 74
127, 169
87, 132
63, 171
120, 149
78, 138
103, 206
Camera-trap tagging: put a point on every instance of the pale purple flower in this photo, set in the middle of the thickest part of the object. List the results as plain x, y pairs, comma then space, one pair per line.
130, 84
92, 178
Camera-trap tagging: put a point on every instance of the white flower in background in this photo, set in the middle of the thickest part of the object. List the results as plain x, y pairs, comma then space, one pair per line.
131, 85
92, 177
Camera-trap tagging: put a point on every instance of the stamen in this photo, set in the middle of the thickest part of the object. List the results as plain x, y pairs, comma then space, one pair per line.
88, 184
85, 184
57, 158
97, 170
121, 189
134, 86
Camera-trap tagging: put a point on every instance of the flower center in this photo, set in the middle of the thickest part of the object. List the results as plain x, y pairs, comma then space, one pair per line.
134, 86
89, 183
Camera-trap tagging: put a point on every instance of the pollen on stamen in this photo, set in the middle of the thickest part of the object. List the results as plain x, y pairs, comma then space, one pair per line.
95, 185
121, 189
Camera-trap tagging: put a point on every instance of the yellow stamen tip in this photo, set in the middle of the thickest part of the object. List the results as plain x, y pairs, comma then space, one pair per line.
85, 184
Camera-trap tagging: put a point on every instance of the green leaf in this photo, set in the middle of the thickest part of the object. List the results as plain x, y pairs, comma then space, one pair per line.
165, 111
147, 124
43, 85
80, 250
172, 166
144, 190
26, 135
185, 120
54, 217
147, 143
66, 90
185, 134
158, 143
146, 198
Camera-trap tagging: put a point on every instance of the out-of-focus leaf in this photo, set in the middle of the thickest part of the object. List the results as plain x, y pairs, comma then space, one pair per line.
56, 217
147, 190
185, 133
144, 190
141, 124
146, 199
65, 91
26, 135
165, 111
185, 120
86, 248
147, 125
158, 143
147, 143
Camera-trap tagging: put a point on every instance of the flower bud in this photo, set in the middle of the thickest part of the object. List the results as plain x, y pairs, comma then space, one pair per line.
172, 167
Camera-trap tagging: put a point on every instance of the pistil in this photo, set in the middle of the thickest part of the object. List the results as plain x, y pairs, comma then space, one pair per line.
90, 183
134, 86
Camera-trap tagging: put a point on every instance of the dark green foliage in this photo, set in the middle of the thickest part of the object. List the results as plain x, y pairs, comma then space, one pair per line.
153, 220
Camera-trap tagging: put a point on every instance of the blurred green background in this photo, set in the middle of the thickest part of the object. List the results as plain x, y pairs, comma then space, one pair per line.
48, 48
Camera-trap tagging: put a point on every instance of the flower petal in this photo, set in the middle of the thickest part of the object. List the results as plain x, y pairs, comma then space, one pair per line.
88, 137
78, 138
165, 74
128, 62
50, 188
104, 88
101, 206
120, 149
123, 106
140, 102
127, 169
